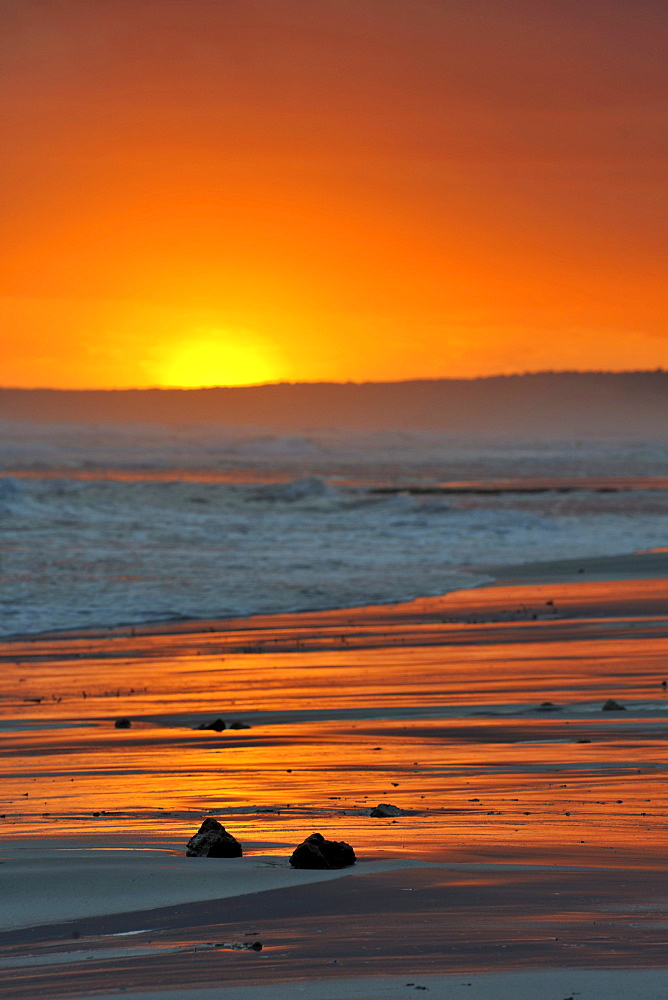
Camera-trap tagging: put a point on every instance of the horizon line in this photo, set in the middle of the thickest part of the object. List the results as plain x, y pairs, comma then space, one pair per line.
343, 382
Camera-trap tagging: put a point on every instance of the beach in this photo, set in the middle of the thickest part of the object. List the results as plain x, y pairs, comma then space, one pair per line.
333, 501
527, 857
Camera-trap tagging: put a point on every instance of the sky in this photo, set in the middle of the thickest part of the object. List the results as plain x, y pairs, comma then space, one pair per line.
201, 192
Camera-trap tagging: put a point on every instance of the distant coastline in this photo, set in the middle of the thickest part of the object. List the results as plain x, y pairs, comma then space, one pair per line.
552, 404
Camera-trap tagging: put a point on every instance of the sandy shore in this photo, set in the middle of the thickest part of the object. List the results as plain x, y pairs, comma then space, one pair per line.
528, 859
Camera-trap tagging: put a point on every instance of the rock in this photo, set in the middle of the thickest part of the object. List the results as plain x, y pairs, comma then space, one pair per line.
316, 852
239, 725
218, 725
240, 946
384, 810
612, 706
213, 841
122, 724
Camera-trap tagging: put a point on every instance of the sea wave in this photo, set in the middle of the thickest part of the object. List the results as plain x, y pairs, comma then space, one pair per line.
102, 551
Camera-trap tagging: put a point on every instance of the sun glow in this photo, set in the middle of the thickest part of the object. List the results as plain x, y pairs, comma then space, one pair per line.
218, 357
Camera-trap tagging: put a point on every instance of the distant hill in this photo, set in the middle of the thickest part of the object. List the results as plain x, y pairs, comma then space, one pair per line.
552, 404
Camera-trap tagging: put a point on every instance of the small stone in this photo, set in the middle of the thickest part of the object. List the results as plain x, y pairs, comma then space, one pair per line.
238, 946
213, 841
217, 725
122, 724
612, 706
384, 810
316, 852
239, 725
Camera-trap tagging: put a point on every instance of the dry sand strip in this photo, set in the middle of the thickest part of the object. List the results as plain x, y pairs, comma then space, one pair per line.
43, 886
546, 984
429, 926
630, 566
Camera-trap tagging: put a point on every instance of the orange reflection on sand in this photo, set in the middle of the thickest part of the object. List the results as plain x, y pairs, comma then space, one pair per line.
473, 671
459, 795
492, 742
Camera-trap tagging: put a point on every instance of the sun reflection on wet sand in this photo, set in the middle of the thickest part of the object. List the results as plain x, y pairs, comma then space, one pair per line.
491, 741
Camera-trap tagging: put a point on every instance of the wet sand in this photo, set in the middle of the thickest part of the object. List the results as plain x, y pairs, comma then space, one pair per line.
528, 859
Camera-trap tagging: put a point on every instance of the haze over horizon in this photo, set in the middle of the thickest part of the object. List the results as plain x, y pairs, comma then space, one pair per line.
280, 190
552, 404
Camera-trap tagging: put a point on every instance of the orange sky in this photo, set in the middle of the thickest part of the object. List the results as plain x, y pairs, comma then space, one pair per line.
229, 191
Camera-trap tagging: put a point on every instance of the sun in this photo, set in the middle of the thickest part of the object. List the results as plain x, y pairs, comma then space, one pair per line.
211, 358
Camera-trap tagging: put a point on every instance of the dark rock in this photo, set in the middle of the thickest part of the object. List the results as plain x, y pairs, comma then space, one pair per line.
548, 706
316, 852
239, 725
217, 725
384, 810
308, 855
240, 946
122, 724
612, 706
213, 841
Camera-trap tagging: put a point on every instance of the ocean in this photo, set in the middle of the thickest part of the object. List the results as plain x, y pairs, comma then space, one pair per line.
102, 525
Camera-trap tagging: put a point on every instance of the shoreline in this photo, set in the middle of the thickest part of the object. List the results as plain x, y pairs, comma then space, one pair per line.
628, 566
